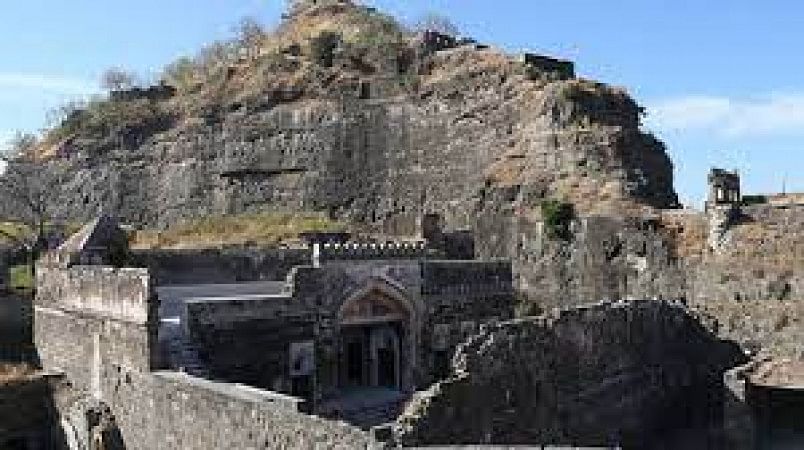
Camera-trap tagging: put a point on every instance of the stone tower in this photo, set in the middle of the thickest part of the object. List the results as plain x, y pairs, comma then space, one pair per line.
722, 206
724, 188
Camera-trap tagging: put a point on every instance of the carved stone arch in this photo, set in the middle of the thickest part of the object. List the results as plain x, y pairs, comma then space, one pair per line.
381, 303
380, 300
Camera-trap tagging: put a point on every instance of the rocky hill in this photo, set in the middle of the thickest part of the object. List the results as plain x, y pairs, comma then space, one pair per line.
341, 110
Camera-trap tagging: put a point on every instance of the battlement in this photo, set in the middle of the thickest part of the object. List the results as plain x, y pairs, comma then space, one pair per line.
370, 250
122, 294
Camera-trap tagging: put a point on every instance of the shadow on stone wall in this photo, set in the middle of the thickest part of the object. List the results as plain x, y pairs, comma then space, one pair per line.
29, 418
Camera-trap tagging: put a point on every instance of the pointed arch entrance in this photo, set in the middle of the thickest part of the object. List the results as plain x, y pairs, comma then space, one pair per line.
376, 337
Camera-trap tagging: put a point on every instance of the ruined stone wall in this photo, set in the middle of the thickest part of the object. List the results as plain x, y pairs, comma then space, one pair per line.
460, 297
599, 375
91, 320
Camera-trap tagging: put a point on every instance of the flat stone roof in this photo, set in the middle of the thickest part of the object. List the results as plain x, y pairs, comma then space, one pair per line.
221, 290
173, 297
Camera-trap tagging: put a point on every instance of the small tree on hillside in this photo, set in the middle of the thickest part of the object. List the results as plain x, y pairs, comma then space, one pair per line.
249, 31
181, 73
437, 22
117, 79
27, 190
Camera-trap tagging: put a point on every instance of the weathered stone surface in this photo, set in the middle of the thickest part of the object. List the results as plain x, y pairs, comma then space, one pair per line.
384, 134
601, 375
220, 265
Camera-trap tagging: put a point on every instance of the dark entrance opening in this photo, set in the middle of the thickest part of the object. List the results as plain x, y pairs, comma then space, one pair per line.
354, 363
386, 367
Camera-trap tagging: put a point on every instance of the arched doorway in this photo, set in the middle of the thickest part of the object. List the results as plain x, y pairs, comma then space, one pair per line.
376, 338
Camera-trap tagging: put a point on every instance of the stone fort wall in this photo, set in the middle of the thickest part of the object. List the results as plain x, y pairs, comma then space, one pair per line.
106, 354
605, 374
219, 265
248, 340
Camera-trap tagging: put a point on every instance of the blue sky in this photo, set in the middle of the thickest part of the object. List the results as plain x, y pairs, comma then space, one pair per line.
722, 79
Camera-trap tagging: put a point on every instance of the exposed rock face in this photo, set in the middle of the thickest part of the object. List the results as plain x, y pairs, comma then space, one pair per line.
611, 374
419, 131
754, 284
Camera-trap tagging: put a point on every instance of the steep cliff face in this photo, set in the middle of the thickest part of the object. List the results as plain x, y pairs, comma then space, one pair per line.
341, 111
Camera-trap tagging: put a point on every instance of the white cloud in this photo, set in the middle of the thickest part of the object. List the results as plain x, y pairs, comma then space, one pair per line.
71, 86
770, 115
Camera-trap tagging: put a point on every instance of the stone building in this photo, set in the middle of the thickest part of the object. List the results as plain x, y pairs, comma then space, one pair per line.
363, 319
349, 335
724, 188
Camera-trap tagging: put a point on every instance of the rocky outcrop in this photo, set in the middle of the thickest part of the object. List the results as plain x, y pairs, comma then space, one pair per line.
380, 140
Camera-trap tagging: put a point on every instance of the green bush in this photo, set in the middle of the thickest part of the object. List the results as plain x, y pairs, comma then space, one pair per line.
558, 217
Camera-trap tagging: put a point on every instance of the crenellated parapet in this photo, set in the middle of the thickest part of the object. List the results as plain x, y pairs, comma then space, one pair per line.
371, 250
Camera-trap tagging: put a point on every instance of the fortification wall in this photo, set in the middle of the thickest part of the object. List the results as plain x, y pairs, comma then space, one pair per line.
189, 412
374, 250
119, 294
598, 375
222, 265
107, 355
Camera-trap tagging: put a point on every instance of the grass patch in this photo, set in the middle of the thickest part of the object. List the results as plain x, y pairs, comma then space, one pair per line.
14, 231
258, 229
21, 277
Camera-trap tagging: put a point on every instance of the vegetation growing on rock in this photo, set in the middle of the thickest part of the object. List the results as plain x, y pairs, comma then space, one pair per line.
257, 229
557, 217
